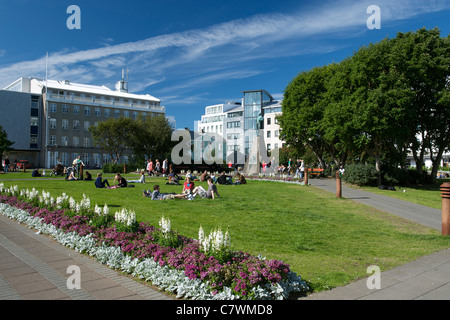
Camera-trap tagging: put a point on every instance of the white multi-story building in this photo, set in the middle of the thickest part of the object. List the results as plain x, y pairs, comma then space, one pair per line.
236, 123
271, 126
64, 111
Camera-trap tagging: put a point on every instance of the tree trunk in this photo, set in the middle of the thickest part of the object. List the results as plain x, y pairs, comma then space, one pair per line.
378, 167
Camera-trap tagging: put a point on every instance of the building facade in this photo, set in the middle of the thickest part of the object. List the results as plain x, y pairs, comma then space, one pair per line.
21, 116
240, 123
60, 128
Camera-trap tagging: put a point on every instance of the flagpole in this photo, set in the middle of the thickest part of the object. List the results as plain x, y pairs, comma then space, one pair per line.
46, 72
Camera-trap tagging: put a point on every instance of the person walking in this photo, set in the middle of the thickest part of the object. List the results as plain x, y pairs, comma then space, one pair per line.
150, 167
157, 167
165, 167
6, 167
302, 168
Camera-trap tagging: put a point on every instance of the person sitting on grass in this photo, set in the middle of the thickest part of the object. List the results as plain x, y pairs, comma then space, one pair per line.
88, 176
190, 175
35, 173
71, 176
99, 183
224, 179
208, 194
173, 178
204, 176
188, 186
141, 180
240, 179
122, 182
157, 195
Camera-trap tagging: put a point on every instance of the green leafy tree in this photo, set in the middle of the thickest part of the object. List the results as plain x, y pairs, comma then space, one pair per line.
114, 136
423, 58
303, 108
151, 137
380, 104
5, 144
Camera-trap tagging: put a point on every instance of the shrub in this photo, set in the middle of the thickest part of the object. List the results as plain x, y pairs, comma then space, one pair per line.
395, 176
360, 174
114, 168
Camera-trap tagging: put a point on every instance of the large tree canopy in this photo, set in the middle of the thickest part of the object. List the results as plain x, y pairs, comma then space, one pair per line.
386, 100
143, 138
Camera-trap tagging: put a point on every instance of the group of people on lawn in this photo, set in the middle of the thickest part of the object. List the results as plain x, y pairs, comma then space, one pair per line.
190, 191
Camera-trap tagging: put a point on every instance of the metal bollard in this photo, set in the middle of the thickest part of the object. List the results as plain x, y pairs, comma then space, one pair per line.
445, 194
338, 184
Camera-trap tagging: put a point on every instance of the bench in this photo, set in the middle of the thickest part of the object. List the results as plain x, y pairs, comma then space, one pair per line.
314, 171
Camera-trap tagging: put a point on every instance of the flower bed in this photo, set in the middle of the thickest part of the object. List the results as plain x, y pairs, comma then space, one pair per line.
277, 178
195, 269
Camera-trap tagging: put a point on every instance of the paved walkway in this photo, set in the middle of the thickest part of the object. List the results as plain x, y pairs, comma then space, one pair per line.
35, 267
427, 278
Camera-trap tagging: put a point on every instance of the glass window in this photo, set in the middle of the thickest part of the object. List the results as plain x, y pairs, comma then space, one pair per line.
65, 124
52, 123
76, 124
87, 111
34, 121
64, 158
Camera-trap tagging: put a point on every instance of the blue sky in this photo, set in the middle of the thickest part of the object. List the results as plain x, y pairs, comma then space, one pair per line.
191, 54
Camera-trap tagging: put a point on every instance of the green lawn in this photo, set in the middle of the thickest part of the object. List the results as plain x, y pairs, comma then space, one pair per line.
328, 241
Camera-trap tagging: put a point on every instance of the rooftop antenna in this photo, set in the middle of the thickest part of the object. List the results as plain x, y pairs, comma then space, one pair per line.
121, 85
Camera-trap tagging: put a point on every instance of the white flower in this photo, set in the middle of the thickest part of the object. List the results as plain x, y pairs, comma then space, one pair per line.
165, 225
105, 210
97, 210
201, 235
72, 203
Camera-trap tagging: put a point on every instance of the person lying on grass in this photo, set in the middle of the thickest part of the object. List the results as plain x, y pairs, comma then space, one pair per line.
141, 180
157, 195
